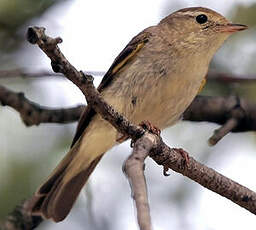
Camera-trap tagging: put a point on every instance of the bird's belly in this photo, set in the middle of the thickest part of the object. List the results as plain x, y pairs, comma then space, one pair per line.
159, 97
164, 104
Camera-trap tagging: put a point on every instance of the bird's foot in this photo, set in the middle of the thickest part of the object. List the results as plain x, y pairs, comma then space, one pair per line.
184, 154
165, 170
149, 127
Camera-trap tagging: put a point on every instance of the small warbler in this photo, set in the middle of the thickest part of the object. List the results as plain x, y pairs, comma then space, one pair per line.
154, 78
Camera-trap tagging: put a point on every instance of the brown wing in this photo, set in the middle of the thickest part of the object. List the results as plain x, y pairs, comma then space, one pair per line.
121, 60
83, 122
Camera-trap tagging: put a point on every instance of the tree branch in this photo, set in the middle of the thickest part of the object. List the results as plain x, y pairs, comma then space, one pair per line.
34, 114
220, 109
230, 78
134, 169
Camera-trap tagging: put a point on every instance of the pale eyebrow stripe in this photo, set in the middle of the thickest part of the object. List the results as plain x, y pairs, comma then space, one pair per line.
184, 15
191, 13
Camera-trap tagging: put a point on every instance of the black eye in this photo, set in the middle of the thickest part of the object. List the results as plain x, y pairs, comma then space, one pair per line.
201, 19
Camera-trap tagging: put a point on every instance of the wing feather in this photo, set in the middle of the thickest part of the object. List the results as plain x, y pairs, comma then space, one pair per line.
133, 47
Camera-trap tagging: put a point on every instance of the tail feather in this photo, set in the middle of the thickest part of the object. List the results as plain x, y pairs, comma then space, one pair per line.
56, 196
51, 204
57, 172
46, 205
60, 208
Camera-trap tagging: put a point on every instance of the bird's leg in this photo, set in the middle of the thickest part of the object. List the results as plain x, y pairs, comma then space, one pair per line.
148, 127
145, 125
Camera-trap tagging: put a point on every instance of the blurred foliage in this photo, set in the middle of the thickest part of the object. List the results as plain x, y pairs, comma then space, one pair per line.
244, 14
17, 185
244, 90
14, 14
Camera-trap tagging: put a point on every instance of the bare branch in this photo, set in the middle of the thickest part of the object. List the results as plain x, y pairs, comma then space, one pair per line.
20, 220
34, 114
223, 131
134, 169
230, 78
236, 114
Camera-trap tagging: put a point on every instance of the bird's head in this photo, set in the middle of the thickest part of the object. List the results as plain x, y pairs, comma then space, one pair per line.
200, 28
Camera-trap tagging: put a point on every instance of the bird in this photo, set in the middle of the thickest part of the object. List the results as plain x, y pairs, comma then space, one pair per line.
154, 78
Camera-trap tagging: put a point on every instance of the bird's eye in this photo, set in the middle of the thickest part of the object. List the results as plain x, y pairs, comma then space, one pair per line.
201, 19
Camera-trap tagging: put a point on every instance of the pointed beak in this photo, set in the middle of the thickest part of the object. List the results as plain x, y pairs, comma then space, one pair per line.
231, 28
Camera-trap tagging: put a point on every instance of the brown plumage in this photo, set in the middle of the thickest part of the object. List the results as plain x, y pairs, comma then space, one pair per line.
154, 78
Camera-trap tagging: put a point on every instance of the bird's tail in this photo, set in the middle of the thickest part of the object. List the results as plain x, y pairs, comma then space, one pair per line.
56, 196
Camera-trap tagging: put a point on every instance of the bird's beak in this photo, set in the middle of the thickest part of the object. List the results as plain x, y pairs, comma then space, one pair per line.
231, 28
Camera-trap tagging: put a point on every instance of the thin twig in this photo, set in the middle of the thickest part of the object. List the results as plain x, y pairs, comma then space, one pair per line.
236, 114
223, 131
134, 169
